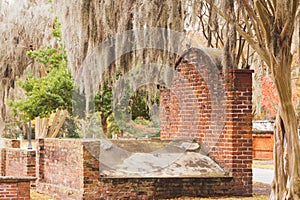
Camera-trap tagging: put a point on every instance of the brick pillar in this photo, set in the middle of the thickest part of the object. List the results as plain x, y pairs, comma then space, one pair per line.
239, 128
31, 163
2, 161
31, 166
40, 165
91, 172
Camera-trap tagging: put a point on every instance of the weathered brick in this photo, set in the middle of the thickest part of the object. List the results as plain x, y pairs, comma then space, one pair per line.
15, 188
195, 69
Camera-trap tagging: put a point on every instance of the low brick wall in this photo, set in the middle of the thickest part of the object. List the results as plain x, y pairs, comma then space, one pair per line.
263, 144
68, 170
163, 188
91, 166
60, 168
17, 162
20, 162
15, 188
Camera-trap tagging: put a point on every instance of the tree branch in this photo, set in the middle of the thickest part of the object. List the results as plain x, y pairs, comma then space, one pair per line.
260, 50
264, 19
254, 44
254, 19
270, 5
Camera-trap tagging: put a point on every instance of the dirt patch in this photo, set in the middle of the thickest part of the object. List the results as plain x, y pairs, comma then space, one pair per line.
37, 196
261, 189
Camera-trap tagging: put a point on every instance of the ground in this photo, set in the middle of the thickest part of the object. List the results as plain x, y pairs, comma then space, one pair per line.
260, 191
36, 196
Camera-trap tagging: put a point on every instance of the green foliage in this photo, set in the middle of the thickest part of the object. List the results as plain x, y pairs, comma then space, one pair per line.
51, 92
92, 126
52, 57
139, 106
103, 101
70, 128
142, 121
103, 104
112, 127
45, 95
149, 128
57, 30
131, 102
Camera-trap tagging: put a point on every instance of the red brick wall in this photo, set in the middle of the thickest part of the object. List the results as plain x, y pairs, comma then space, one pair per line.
6, 143
263, 143
189, 111
17, 162
20, 162
186, 102
91, 166
60, 167
67, 169
12, 188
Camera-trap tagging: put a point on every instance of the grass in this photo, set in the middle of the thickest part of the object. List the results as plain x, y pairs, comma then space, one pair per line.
228, 198
263, 164
243, 198
37, 196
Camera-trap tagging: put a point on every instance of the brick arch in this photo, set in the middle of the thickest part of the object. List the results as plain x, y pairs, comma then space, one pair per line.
186, 105
198, 84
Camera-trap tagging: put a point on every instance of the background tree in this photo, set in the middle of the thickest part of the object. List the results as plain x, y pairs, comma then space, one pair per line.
103, 104
49, 93
23, 27
270, 97
208, 28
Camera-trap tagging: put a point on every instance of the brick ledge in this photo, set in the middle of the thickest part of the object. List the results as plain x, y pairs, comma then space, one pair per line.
13, 179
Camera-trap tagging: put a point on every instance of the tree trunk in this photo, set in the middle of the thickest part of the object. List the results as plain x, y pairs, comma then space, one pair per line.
229, 49
287, 150
285, 185
278, 190
104, 124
